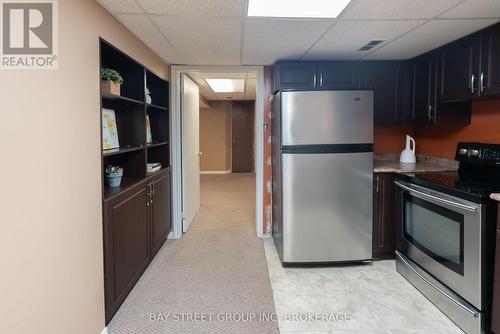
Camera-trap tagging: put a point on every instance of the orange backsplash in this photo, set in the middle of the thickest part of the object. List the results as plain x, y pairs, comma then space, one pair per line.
441, 140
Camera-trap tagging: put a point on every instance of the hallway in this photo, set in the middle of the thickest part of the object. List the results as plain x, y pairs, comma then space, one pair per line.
216, 272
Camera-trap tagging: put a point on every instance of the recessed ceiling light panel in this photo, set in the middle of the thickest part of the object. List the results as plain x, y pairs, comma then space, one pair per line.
227, 85
297, 8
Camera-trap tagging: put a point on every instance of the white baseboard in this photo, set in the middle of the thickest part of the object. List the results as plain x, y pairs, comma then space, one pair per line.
105, 330
215, 172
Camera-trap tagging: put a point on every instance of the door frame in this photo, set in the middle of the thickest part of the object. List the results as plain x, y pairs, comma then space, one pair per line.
176, 140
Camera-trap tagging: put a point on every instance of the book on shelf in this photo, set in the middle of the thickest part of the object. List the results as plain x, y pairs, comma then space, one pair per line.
153, 167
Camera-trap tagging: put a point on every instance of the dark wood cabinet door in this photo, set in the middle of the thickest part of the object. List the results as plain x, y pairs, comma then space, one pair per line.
161, 220
126, 234
495, 317
459, 69
338, 75
296, 75
489, 78
382, 77
242, 129
405, 91
424, 89
384, 229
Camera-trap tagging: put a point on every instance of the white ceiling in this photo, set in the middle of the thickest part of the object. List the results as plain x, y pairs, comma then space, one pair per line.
209, 94
218, 32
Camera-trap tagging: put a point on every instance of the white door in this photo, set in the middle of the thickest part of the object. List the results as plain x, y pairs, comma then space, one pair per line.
190, 109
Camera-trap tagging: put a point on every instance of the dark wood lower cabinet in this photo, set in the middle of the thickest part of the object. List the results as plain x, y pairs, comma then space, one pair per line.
136, 223
384, 229
160, 211
495, 316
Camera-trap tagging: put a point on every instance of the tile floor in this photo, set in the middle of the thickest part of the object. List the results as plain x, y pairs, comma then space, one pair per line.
366, 299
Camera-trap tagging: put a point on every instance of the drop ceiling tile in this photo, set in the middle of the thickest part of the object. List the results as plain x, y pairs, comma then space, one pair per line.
346, 37
427, 37
475, 9
268, 40
142, 27
397, 9
121, 6
214, 8
203, 41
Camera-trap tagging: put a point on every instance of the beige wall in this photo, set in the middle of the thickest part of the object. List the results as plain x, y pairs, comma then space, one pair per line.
51, 240
215, 137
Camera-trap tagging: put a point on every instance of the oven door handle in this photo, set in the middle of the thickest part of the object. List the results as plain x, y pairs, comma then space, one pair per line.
424, 195
438, 289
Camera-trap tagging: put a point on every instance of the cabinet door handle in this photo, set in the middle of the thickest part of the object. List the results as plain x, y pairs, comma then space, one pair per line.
377, 185
429, 113
481, 82
472, 79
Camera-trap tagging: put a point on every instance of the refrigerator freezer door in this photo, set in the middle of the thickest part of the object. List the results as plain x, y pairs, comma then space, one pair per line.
327, 207
327, 117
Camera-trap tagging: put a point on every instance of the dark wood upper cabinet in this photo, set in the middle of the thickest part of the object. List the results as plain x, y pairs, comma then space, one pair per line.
383, 78
338, 75
405, 91
424, 89
426, 107
384, 229
296, 75
489, 77
160, 206
459, 69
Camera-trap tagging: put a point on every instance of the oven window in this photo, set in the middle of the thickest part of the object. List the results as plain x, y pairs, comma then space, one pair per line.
437, 231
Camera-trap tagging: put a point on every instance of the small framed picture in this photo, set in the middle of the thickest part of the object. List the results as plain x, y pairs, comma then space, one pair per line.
109, 130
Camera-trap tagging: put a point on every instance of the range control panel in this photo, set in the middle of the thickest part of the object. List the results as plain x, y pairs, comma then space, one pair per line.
478, 153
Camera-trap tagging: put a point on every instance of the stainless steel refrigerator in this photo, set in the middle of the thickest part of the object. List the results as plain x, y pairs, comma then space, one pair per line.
323, 175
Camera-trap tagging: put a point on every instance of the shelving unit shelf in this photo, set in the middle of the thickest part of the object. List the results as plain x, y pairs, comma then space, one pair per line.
131, 109
157, 144
154, 106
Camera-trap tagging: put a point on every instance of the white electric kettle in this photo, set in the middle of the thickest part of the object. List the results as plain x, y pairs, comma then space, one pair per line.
408, 155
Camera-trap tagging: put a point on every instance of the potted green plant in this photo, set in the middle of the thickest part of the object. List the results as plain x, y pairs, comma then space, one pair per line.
113, 176
111, 81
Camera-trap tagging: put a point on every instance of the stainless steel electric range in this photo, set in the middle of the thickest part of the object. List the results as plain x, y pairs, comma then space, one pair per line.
446, 234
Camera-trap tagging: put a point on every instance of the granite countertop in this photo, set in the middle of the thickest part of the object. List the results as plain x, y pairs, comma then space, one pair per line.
389, 163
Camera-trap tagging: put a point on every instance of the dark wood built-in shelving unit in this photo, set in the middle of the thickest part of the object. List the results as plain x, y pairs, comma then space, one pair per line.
136, 215
130, 112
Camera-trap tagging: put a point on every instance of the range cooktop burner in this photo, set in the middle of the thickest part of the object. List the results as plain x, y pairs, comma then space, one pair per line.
452, 183
478, 175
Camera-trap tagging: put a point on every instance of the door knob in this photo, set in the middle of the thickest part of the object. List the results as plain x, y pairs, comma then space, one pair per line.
200, 154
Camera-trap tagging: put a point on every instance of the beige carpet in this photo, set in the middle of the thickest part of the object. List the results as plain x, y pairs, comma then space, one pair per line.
213, 280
